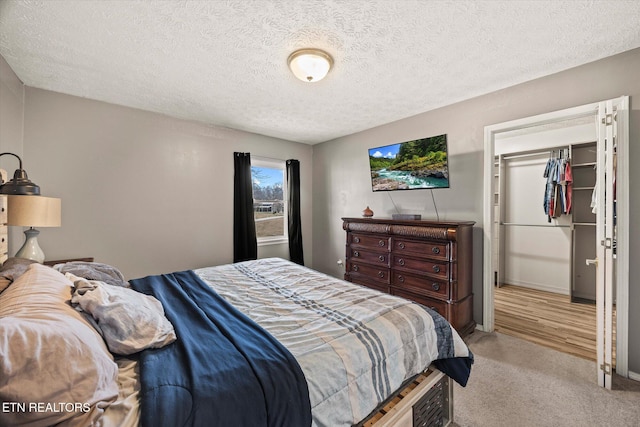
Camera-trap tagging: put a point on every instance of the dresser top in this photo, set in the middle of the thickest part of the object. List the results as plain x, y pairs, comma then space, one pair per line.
413, 222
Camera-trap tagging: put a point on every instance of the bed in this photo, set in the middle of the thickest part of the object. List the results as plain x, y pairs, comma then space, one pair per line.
263, 342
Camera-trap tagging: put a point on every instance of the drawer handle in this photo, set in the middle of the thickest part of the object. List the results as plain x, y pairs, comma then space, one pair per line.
381, 274
356, 253
401, 261
401, 245
436, 268
381, 258
435, 250
3, 209
401, 279
356, 239
381, 243
355, 268
435, 286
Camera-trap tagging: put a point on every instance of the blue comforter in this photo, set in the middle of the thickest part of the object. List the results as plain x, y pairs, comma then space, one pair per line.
223, 369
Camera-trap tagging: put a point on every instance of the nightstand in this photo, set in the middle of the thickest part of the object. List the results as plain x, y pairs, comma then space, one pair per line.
61, 261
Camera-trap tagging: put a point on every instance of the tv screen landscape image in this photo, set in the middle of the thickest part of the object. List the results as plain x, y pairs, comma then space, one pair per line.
410, 165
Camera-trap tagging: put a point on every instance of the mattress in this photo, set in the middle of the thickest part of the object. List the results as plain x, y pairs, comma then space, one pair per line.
356, 346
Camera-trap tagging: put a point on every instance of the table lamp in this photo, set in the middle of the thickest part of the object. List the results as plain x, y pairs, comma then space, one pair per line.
33, 211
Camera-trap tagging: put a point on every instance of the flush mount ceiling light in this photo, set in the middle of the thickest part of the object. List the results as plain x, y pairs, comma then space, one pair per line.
310, 65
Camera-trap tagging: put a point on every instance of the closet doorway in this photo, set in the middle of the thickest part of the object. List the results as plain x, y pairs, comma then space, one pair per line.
527, 245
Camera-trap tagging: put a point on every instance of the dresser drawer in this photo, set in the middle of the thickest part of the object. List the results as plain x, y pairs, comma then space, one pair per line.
371, 273
3, 209
439, 306
420, 284
4, 237
376, 258
368, 241
422, 249
367, 282
421, 266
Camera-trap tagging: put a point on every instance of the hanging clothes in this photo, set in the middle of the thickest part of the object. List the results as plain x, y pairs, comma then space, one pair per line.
559, 179
558, 191
548, 193
568, 177
594, 200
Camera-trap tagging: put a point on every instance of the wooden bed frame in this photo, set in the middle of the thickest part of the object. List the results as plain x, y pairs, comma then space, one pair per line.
426, 401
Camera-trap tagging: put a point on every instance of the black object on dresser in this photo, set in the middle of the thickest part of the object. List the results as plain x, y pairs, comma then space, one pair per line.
427, 262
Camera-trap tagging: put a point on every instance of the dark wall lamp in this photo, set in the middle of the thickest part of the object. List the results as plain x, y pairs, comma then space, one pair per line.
20, 183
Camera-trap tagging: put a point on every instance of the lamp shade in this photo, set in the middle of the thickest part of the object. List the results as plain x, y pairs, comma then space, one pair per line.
34, 211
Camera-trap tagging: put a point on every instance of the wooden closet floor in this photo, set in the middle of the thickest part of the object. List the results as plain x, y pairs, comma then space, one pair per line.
548, 319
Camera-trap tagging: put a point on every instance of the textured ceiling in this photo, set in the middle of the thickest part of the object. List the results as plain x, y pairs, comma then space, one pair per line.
225, 62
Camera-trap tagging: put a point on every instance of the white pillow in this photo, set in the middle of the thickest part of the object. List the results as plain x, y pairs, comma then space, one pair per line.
54, 367
129, 321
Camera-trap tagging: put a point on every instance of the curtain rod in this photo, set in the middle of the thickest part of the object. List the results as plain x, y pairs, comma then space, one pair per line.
268, 158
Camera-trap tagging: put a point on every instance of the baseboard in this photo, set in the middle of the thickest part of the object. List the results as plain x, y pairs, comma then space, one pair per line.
634, 376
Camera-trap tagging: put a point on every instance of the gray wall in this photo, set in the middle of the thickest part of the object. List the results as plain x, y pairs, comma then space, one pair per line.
11, 127
341, 175
144, 192
11, 108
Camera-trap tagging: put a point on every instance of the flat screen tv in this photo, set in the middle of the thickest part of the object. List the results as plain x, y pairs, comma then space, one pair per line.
410, 165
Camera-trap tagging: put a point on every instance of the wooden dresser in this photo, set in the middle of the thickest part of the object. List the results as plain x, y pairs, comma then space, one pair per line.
425, 261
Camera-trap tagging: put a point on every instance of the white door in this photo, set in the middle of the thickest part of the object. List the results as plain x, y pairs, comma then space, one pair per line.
605, 238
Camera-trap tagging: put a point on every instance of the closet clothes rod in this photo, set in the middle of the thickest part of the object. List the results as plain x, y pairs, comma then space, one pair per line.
537, 153
517, 224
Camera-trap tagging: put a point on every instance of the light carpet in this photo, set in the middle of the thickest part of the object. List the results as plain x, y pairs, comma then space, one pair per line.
517, 383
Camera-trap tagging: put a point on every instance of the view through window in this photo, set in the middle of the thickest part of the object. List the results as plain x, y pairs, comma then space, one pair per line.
269, 209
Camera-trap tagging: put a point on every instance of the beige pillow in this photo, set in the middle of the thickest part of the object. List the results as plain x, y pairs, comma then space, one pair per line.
54, 367
11, 270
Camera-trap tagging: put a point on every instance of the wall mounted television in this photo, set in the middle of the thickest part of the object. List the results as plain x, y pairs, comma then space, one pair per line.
410, 165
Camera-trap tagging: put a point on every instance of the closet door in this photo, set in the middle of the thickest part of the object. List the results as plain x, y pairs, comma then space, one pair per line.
605, 240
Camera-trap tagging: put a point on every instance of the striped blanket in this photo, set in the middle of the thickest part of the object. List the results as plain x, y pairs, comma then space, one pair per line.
355, 346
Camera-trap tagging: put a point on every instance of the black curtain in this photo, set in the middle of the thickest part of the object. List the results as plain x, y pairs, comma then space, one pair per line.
295, 226
245, 244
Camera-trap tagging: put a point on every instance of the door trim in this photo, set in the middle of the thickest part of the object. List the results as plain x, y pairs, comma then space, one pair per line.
622, 183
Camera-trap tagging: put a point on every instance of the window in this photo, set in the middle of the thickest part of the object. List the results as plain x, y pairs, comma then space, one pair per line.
269, 200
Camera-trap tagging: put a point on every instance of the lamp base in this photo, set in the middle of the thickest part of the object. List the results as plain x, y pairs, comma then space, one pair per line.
31, 249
